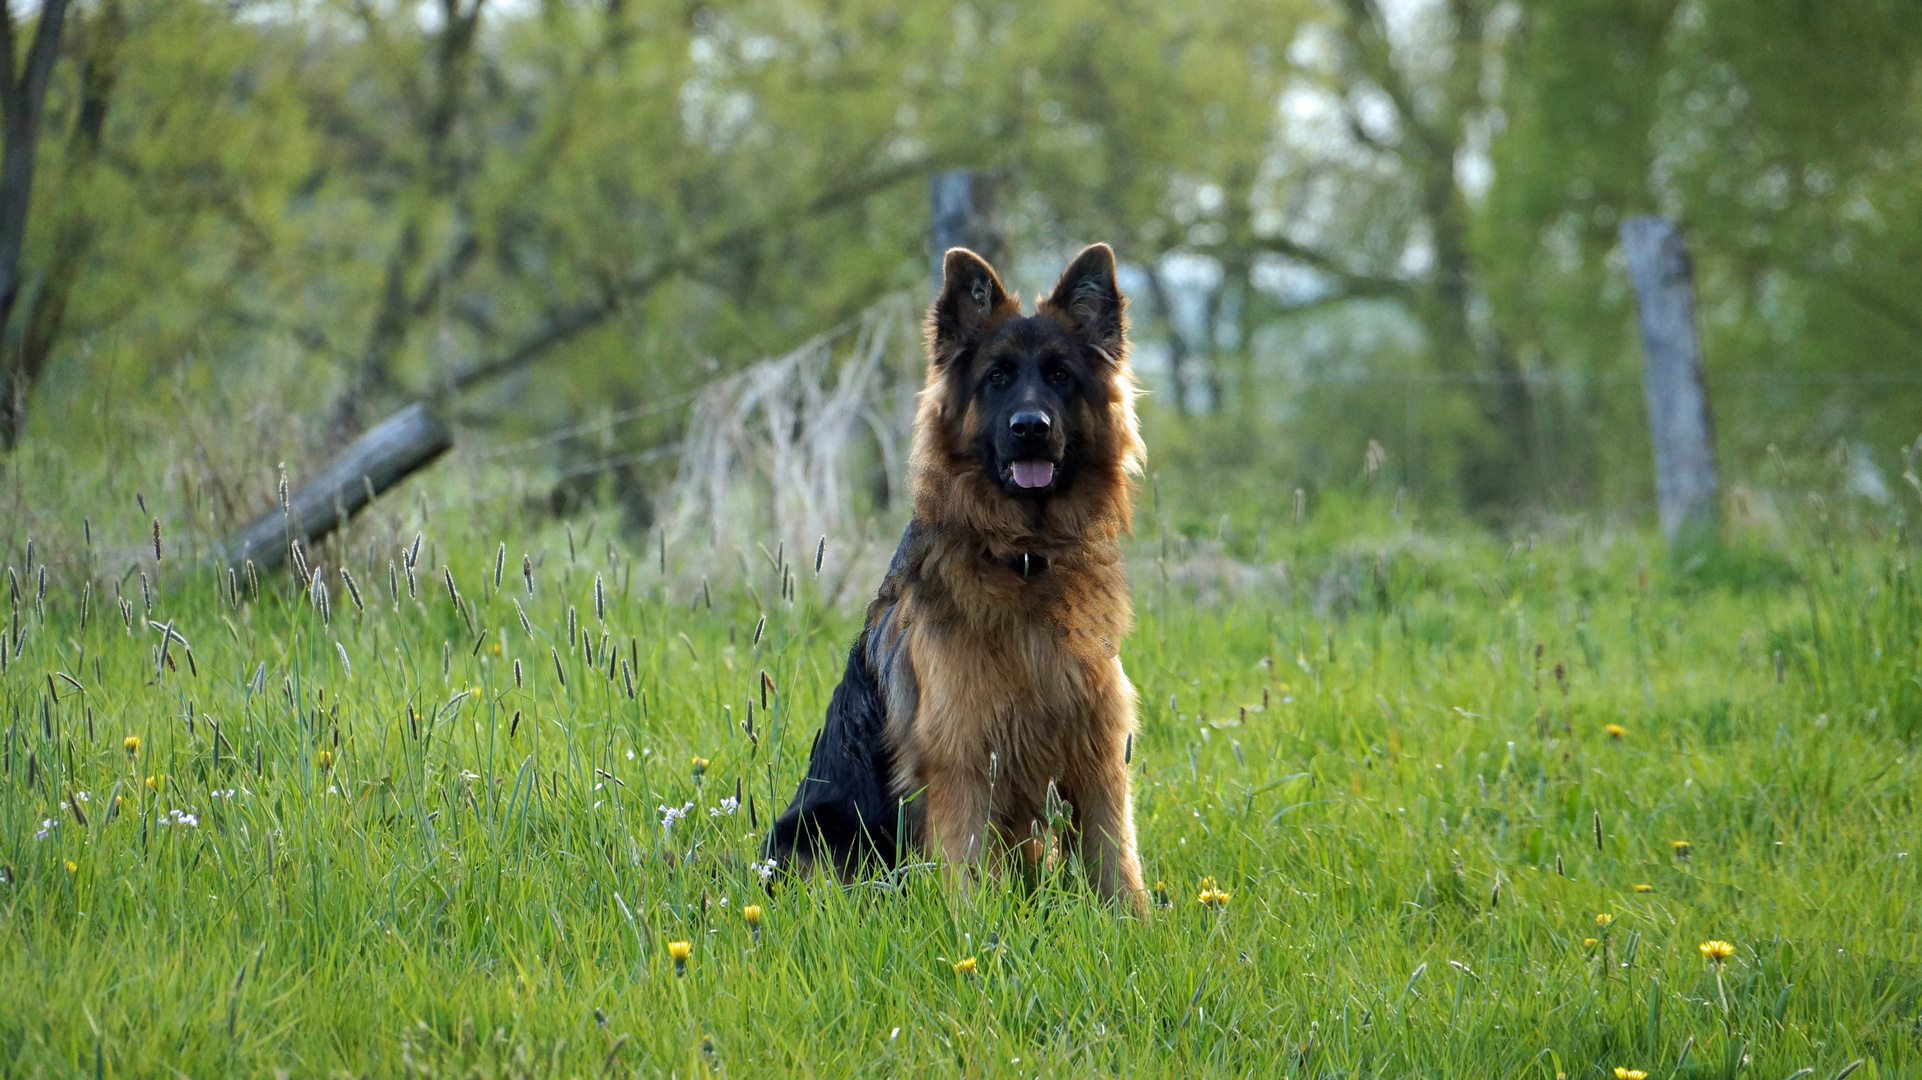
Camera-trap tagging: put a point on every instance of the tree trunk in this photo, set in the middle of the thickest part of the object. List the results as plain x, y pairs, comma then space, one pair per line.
22, 94
963, 213
1678, 414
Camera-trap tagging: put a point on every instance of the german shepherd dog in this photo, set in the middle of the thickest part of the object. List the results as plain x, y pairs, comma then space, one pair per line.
985, 694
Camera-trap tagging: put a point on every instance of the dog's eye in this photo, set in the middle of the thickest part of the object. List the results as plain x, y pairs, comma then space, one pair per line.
1060, 377
998, 377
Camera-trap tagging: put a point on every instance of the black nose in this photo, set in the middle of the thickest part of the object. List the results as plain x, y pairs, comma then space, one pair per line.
1027, 425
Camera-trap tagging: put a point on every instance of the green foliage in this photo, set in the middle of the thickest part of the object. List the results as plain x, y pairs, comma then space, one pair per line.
324, 211
430, 836
1771, 132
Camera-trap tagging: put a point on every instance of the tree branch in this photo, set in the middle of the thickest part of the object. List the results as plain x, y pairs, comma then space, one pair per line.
1355, 283
1367, 34
563, 325
398, 311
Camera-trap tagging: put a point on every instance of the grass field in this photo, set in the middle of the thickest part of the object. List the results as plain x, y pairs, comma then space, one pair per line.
411, 834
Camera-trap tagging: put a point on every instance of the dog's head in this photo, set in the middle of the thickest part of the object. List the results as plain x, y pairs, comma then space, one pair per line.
1041, 405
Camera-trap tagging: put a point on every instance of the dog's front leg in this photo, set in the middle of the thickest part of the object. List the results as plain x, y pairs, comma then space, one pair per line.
1105, 835
958, 813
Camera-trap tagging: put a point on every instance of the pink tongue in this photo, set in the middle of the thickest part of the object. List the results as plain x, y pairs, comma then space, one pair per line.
1033, 474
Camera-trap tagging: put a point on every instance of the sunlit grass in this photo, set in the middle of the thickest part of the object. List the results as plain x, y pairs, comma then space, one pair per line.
1443, 806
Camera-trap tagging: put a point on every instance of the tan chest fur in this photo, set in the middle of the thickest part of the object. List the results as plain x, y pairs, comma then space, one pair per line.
1019, 680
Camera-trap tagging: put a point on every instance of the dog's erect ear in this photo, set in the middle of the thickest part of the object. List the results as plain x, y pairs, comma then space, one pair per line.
1087, 298
971, 303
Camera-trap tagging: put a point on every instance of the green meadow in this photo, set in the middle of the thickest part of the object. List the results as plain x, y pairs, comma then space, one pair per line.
1418, 802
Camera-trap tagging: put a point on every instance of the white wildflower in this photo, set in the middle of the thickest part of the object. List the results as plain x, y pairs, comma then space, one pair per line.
672, 814
728, 806
47, 827
765, 870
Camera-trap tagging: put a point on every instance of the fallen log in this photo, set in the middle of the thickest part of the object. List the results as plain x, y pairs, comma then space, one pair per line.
388, 453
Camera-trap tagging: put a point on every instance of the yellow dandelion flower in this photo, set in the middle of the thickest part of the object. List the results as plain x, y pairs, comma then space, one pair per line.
1212, 895
1682, 850
752, 913
1629, 1074
1716, 952
1161, 895
72, 867
680, 951
964, 966
325, 759
1602, 919
131, 744
1615, 731
700, 768
154, 782
1588, 943
1644, 888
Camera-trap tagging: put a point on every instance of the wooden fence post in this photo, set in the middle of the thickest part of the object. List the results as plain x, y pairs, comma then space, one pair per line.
383, 457
1678, 412
963, 213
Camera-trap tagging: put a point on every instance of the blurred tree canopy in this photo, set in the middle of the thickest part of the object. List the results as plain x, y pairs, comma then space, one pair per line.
1342, 220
